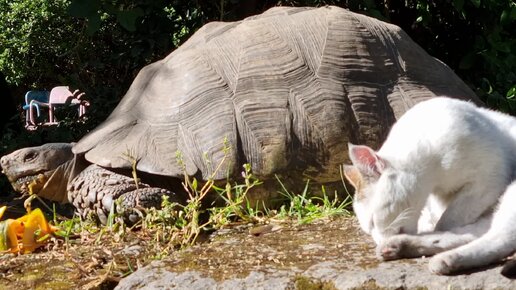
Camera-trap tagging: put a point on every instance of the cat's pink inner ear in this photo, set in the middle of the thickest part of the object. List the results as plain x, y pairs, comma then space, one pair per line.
366, 159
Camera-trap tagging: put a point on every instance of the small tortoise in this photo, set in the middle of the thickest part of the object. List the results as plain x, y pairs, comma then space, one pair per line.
288, 89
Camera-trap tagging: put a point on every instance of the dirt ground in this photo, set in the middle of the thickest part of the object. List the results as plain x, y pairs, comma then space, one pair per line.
332, 251
280, 245
99, 260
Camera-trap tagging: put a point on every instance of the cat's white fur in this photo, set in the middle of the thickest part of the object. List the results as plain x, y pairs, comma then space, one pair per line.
443, 169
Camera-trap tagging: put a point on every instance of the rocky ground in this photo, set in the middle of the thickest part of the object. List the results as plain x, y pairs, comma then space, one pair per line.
329, 254
326, 254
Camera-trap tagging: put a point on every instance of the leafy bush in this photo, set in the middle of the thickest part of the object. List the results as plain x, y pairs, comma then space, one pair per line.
35, 40
99, 45
476, 38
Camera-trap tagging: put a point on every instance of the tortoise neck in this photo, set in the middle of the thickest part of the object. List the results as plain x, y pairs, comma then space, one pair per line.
55, 188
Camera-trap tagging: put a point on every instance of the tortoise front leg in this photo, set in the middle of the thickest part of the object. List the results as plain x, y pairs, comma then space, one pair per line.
95, 190
130, 203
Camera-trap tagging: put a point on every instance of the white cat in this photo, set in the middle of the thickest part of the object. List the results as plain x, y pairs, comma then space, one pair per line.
445, 164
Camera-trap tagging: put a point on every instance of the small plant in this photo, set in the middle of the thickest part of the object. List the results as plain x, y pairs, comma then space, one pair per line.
177, 225
130, 156
181, 224
166, 226
306, 208
237, 206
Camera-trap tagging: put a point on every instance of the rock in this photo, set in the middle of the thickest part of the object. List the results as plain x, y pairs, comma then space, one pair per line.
325, 255
134, 250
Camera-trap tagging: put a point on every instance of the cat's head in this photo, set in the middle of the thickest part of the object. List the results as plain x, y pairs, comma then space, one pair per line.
380, 202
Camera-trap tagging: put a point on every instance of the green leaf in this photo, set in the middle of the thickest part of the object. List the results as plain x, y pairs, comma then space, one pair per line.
84, 8
458, 4
194, 184
467, 61
505, 17
127, 18
508, 15
93, 24
486, 85
502, 46
511, 93
476, 3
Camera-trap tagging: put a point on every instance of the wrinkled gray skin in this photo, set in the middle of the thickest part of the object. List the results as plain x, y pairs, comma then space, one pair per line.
288, 89
89, 187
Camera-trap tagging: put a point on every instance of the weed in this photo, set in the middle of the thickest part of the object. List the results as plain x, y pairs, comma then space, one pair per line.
177, 225
180, 225
237, 206
130, 156
306, 208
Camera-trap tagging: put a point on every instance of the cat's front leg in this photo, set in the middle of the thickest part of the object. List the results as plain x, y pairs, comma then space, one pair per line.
399, 247
498, 243
408, 246
471, 202
428, 244
445, 263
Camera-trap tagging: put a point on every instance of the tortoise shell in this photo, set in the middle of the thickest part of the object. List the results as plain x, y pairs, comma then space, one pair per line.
287, 89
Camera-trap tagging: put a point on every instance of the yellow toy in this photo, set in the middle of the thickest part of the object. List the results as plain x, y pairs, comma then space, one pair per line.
32, 228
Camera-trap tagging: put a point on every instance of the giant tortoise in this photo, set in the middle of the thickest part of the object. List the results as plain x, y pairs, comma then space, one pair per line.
288, 89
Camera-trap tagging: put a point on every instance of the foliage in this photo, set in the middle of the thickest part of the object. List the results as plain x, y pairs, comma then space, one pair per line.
236, 204
35, 39
477, 39
99, 45
176, 225
307, 208
182, 223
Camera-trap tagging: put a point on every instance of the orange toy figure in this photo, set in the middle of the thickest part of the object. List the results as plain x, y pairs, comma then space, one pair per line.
32, 229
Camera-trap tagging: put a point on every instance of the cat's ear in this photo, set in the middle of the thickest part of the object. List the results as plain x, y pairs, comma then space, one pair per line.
354, 176
366, 160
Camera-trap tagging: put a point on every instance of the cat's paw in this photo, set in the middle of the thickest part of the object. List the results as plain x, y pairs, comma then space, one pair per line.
444, 263
392, 248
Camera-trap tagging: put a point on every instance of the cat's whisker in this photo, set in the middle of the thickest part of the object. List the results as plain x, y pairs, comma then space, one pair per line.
404, 215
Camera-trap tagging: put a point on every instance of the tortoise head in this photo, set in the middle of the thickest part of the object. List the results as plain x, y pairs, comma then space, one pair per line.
34, 167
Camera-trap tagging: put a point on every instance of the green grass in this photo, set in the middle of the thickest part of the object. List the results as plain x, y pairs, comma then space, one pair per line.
179, 225
306, 208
